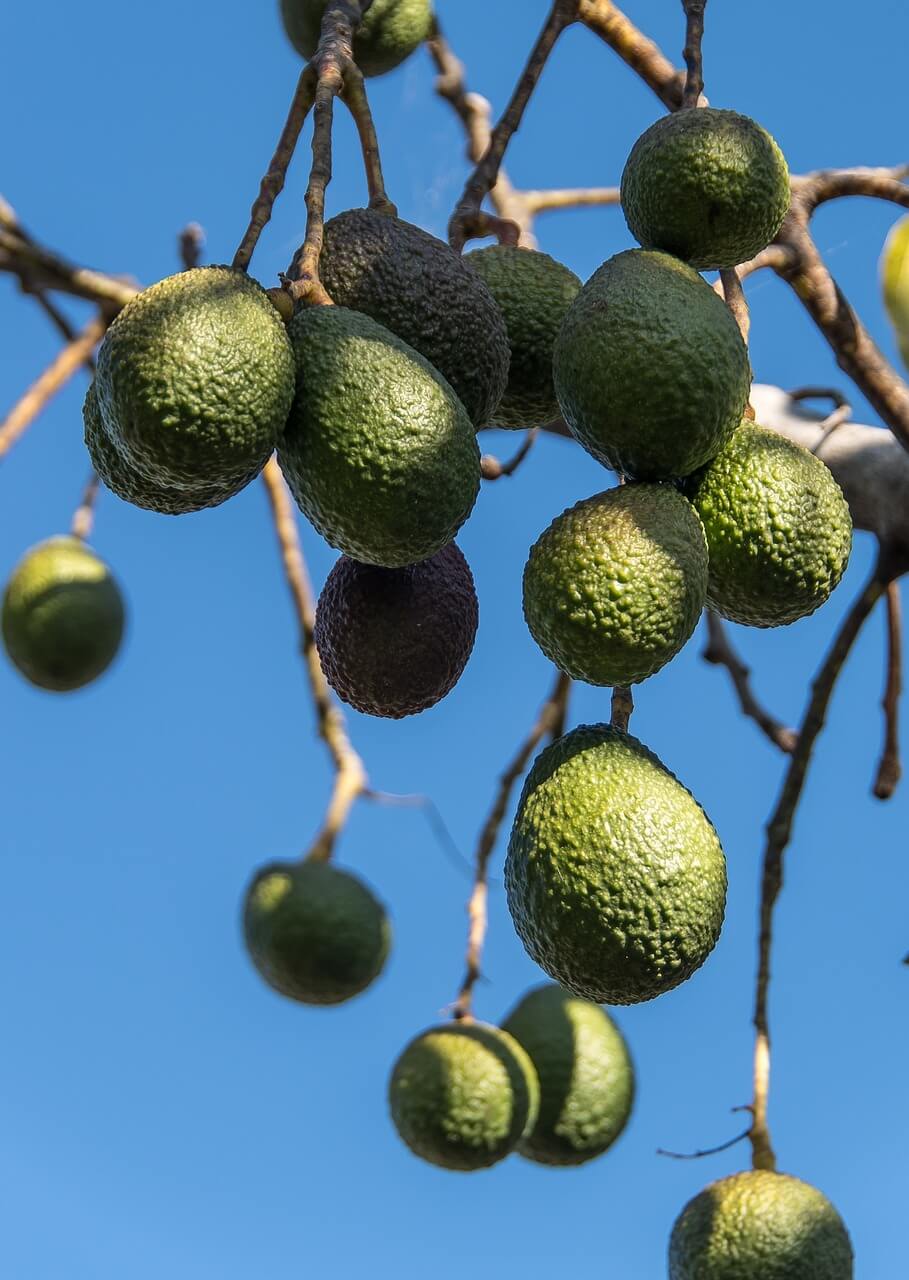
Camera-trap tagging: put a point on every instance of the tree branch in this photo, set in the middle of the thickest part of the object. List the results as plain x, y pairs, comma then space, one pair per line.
634, 48
492, 469
694, 34
570, 198
890, 770
720, 652
84, 515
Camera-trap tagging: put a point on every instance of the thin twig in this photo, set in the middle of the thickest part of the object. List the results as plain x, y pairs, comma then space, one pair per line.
570, 198
191, 242
492, 469
634, 48
720, 652
707, 1151
694, 34
622, 707
814, 189
84, 515
353, 94
890, 770
433, 815
734, 295
549, 722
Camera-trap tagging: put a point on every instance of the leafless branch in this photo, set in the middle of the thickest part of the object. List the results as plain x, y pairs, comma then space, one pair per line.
707, 1151
570, 198
720, 652
634, 48
493, 469
694, 34
84, 515
191, 242
890, 769
734, 295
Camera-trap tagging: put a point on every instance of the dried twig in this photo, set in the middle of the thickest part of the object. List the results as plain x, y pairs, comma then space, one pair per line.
622, 707
694, 34
84, 515
707, 1151
734, 294
840, 415
635, 49
492, 469
570, 198
720, 652
814, 189
890, 770
191, 242
353, 94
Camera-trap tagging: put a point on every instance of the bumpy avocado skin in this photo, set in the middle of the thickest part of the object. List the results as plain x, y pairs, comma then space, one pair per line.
534, 293
393, 642
710, 186
778, 528
615, 877
462, 1095
390, 31
194, 383
378, 450
63, 615
424, 292
613, 589
585, 1072
760, 1226
650, 369
315, 933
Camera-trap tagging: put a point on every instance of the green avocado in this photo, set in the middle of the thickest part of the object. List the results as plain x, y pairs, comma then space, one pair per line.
393, 642
895, 283
534, 293
194, 383
650, 369
613, 589
378, 450
710, 186
62, 616
760, 1226
419, 288
390, 31
585, 1072
463, 1094
315, 933
778, 528
615, 877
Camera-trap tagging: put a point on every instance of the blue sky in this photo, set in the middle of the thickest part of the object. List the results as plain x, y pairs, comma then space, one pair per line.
161, 1111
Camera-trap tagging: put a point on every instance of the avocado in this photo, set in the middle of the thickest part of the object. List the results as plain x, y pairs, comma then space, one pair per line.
315, 933
615, 877
895, 284
378, 450
390, 31
194, 382
585, 1072
534, 293
710, 186
778, 528
613, 589
420, 289
760, 1226
393, 642
462, 1095
63, 615
650, 369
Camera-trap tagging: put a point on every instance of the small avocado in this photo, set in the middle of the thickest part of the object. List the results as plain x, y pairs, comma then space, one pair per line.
710, 186
650, 369
314, 932
194, 383
895, 283
62, 616
613, 589
534, 293
585, 1072
378, 450
615, 877
778, 528
390, 31
393, 642
420, 289
462, 1095
760, 1226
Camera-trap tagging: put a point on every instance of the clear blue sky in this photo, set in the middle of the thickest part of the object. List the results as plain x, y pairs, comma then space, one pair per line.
162, 1113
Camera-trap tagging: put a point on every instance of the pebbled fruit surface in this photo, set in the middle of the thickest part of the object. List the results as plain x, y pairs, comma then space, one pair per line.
393, 642
615, 877
420, 289
534, 293
650, 369
390, 31
462, 1095
315, 933
378, 450
614, 587
760, 1226
707, 185
585, 1072
63, 615
778, 528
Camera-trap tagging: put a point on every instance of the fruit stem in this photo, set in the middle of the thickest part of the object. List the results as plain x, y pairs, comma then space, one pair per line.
890, 770
622, 707
694, 35
84, 515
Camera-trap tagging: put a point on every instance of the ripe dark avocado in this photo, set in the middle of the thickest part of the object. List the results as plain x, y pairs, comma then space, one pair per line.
462, 1095
390, 31
62, 616
710, 186
650, 368
315, 933
615, 877
534, 292
393, 642
378, 450
423, 291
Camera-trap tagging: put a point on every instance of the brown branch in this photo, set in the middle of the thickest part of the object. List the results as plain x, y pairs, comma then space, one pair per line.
814, 189
779, 832
191, 242
720, 652
840, 415
350, 774
353, 95
38, 268
570, 198
549, 723
776, 256
694, 35
634, 48
734, 295
84, 515
890, 770
492, 469
622, 707
707, 1151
